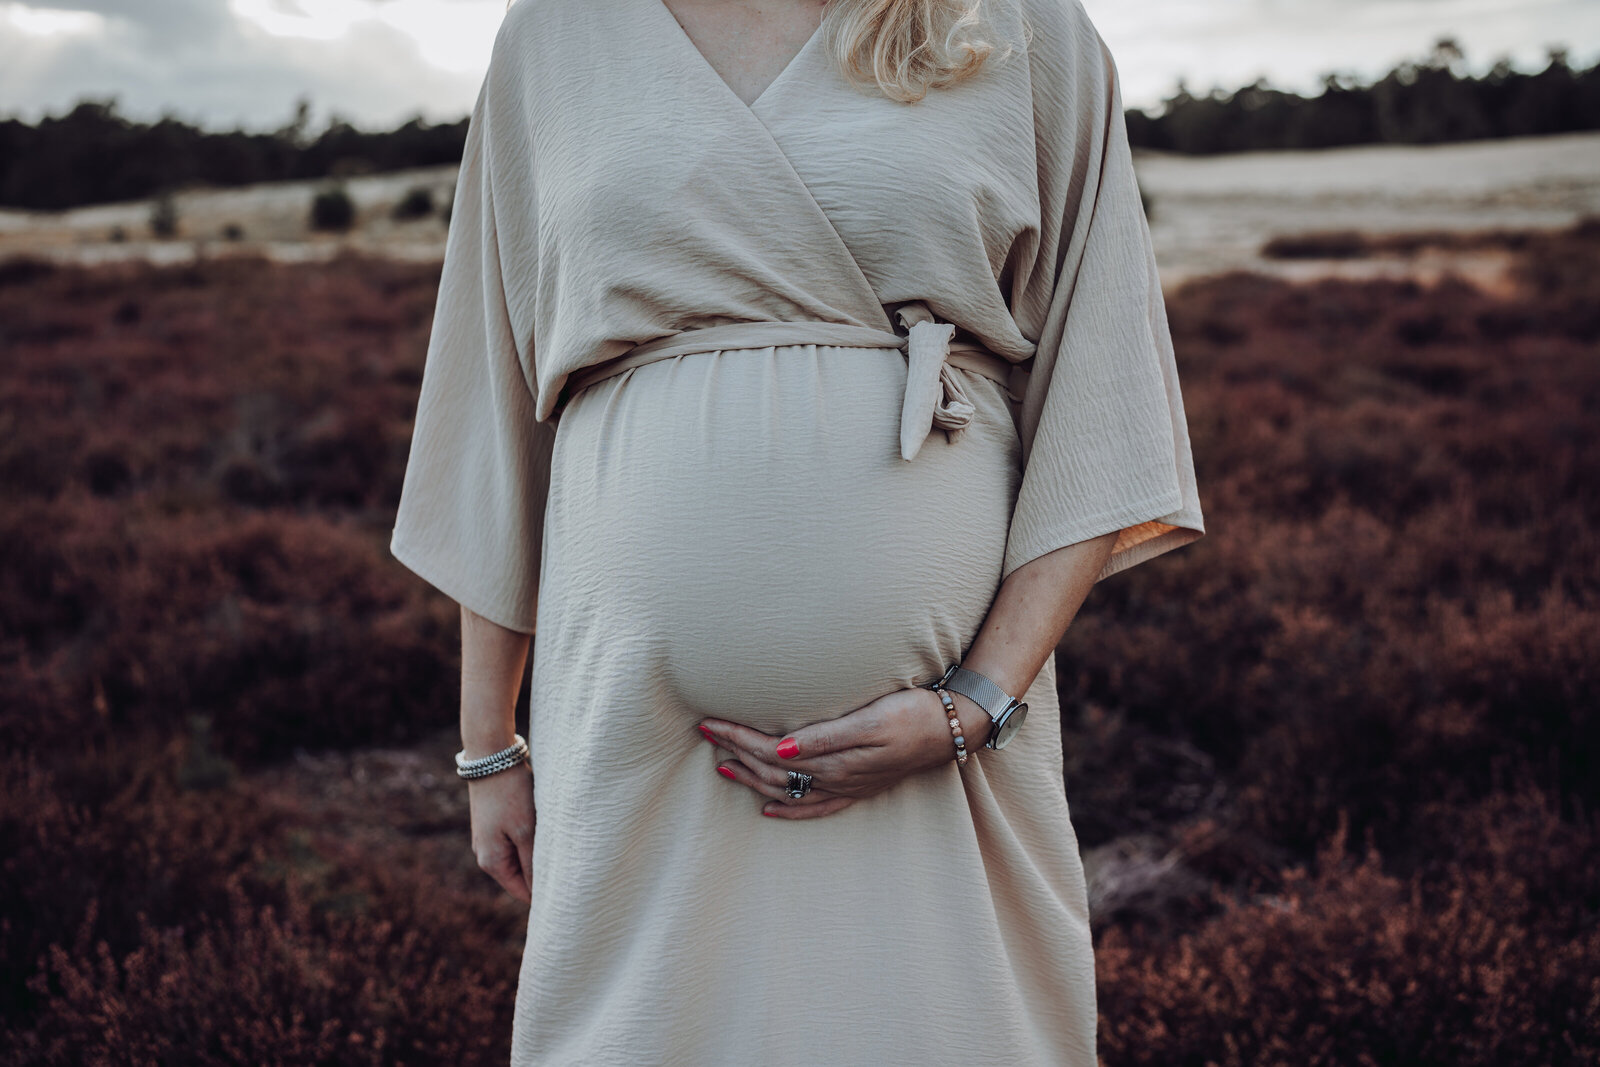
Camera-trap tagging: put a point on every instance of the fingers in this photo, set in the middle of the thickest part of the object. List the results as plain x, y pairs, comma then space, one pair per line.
856, 729
503, 861
759, 756
776, 789
837, 770
519, 841
742, 738
525, 857
751, 747
844, 773
818, 758
808, 811
836, 735
846, 756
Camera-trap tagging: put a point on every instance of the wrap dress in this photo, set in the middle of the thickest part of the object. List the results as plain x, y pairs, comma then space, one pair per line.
751, 409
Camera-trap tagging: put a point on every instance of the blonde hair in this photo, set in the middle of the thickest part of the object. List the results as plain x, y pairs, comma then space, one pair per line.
906, 47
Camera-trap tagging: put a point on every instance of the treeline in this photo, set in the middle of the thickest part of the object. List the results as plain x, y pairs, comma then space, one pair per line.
1425, 102
94, 155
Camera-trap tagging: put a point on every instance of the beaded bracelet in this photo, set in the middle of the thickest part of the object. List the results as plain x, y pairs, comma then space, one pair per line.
955, 725
511, 756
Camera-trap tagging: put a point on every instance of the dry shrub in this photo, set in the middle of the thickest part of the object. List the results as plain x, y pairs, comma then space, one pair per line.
1493, 959
1356, 244
281, 630
194, 579
1399, 584
166, 926
1392, 631
200, 488
129, 378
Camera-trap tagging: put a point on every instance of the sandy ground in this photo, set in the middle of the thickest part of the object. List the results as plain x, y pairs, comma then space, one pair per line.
1207, 214
1213, 214
274, 218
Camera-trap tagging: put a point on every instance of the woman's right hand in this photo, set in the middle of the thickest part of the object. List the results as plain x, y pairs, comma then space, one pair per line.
502, 828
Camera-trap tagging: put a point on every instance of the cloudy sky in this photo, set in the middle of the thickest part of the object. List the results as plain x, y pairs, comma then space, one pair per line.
227, 63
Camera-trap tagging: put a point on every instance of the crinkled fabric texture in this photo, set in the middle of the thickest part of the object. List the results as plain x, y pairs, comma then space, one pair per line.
735, 532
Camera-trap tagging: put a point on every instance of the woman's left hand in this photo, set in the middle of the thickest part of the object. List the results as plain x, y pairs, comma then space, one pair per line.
852, 757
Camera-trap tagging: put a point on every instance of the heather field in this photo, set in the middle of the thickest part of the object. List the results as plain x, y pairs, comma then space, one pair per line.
1332, 767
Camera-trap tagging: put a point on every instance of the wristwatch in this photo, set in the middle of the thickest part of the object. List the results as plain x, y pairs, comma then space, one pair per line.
1007, 712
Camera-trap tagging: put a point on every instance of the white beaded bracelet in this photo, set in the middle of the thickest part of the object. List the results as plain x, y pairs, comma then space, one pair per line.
511, 756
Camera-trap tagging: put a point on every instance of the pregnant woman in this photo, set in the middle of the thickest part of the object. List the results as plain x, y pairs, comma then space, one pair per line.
786, 357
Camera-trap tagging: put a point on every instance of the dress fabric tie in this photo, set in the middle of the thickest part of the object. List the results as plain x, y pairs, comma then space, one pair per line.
935, 395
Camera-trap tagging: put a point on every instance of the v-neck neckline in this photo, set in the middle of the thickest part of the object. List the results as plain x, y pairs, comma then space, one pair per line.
700, 58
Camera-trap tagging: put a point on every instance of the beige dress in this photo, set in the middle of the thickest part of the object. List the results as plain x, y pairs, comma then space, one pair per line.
753, 408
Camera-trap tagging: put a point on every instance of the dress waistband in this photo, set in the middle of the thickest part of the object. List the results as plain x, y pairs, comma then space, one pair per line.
935, 395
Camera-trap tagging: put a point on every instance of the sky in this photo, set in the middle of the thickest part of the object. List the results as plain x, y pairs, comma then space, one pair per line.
226, 64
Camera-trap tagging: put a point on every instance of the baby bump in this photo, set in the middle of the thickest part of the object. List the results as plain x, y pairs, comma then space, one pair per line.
747, 527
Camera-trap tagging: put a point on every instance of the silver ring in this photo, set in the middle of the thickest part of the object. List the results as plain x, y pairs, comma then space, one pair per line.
799, 784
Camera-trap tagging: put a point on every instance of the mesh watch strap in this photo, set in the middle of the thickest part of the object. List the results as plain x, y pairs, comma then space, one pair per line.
978, 689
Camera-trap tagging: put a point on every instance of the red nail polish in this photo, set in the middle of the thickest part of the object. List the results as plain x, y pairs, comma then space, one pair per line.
709, 736
788, 748
773, 814
724, 772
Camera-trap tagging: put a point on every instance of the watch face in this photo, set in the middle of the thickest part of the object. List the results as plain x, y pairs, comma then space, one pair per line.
1008, 729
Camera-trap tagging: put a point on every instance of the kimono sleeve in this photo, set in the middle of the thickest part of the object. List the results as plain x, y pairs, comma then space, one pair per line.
471, 514
1101, 421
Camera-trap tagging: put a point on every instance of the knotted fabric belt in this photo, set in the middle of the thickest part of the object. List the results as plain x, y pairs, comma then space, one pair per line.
935, 394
